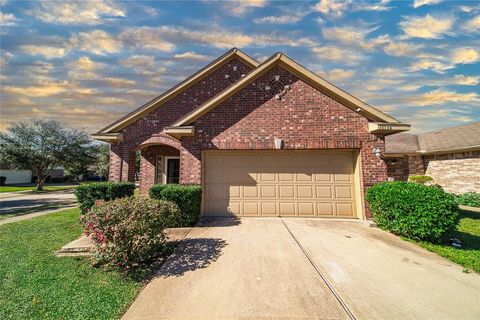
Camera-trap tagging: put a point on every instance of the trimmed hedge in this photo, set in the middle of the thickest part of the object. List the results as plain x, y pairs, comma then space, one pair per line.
413, 210
187, 197
421, 179
128, 233
471, 199
87, 194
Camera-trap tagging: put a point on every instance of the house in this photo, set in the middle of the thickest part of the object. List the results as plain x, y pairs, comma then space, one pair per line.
450, 156
269, 139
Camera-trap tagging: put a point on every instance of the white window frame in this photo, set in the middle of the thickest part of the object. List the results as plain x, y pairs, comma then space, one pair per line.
164, 167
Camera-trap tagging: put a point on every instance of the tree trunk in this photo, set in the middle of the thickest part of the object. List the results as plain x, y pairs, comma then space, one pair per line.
40, 181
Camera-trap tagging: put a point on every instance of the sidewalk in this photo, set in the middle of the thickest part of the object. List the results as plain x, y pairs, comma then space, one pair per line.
33, 215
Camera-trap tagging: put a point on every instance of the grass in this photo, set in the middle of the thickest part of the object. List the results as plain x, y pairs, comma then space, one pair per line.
4, 189
468, 233
35, 284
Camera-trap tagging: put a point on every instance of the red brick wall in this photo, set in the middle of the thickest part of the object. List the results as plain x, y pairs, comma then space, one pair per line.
147, 164
304, 118
397, 168
154, 122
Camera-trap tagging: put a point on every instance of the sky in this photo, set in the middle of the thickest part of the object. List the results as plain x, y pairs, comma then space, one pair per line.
87, 63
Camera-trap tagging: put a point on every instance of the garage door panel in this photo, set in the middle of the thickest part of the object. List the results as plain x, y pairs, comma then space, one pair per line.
306, 209
286, 183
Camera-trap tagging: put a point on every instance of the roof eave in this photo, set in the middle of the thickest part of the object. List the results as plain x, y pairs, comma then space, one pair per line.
387, 128
108, 137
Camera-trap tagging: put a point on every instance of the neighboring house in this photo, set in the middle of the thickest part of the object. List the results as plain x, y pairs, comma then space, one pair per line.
269, 139
16, 176
451, 156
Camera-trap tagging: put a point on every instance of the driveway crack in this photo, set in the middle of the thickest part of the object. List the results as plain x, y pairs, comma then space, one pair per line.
322, 276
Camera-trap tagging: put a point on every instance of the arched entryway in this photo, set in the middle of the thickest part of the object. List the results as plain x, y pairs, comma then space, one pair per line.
159, 161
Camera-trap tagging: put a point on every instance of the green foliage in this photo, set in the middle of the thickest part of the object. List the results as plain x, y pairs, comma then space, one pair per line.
413, 210
128, 232
187, 197
40, 145
101, 165
421, 179
471, 199
35, 284
87, 193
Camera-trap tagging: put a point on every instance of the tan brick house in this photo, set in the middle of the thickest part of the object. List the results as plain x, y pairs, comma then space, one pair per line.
450, 156
269, 139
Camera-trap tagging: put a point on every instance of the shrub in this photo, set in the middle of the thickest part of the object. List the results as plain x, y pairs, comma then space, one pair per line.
471, 199
187, 197
87, 193
421, 179
128, 232
413, 210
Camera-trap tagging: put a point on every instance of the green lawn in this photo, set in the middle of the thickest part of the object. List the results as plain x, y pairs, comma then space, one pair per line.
21, 212
4, 189
35, 284
469, 234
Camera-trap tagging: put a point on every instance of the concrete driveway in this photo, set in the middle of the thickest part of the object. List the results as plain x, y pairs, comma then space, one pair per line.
304, 269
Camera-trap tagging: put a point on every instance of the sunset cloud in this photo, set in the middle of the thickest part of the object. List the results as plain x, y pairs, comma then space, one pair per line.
88, 12
97, 42
8, 19
191, 55
427, 27
46, 51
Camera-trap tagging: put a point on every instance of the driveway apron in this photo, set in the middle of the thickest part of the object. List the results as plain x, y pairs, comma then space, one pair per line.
237, 269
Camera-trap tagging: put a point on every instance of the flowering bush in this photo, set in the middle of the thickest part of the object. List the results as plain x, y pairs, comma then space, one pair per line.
128, 233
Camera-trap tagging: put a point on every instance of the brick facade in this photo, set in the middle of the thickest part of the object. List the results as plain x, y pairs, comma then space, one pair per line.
455, 172
250, 120
304, 118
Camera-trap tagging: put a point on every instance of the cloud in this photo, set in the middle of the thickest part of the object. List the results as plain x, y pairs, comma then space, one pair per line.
97, 42
339, 74
428, 27
241, 7
401, 49
119, 82
434, 65
8, 19
42, 89
48, 52
332, 7
439, 97
283, 19
337, 54
382, 5
191, 55
85, 12
138, 61
419, 3
472, 25
465, 56
87, 64
355, 35
466, 80
165, 38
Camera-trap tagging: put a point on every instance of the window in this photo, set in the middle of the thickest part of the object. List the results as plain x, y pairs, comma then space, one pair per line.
167, 170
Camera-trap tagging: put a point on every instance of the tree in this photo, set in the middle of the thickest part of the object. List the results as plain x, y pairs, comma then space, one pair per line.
87, 157
101, 165
41, 145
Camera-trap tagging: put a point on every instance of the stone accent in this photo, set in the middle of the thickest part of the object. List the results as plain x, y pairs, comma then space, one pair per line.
455, 172
304, 118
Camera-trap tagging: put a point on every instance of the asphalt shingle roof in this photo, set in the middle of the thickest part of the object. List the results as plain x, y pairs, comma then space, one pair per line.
445, 139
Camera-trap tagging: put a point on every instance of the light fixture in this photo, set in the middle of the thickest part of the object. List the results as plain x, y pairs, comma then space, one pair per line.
377, 152
278, 143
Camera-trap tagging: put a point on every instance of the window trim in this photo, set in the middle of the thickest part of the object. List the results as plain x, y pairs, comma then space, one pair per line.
164, 168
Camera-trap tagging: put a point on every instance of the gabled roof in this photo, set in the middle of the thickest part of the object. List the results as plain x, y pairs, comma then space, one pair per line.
460, 138
179, 88
306, 75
